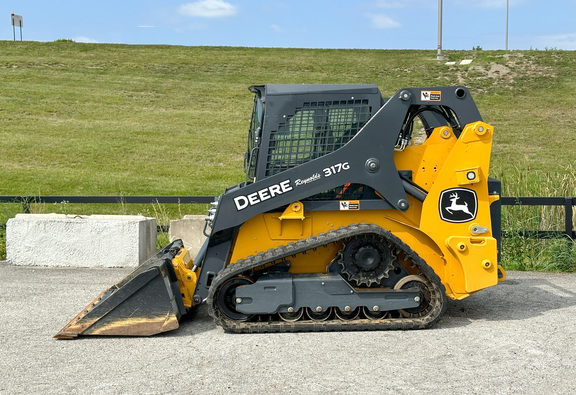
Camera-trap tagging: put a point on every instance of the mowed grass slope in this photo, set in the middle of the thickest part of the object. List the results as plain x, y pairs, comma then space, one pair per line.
116, 119
80, 119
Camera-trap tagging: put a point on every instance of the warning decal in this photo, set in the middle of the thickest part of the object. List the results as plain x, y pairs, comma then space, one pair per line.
430, 95
350, 205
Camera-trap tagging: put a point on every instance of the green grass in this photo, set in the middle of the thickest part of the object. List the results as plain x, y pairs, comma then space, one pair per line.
81, 119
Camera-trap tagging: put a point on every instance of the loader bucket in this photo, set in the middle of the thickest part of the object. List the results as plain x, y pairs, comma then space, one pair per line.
144, 303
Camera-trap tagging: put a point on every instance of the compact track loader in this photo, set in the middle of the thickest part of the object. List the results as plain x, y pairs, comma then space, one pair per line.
359, 213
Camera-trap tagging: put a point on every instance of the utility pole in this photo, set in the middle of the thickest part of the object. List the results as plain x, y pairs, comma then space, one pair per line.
439, 53
507, 12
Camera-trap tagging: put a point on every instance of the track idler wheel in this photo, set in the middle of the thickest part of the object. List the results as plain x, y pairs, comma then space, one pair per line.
226, 295
424, 286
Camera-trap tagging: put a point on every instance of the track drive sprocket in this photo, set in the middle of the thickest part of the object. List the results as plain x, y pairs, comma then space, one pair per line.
366, 260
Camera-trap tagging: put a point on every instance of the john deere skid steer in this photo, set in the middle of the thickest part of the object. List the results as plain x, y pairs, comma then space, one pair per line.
359, 213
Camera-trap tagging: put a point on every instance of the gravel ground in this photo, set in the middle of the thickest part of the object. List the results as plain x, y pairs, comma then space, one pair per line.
517, 337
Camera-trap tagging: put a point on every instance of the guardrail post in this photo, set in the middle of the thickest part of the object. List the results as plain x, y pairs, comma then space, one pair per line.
568, 218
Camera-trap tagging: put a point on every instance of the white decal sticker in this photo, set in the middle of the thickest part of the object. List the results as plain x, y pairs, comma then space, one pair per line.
314, 177
263, 194
336, 168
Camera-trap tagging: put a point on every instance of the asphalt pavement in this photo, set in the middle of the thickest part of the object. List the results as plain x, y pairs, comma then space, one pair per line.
516, 338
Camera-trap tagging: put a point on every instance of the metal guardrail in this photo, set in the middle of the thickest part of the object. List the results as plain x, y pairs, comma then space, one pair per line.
568, 202
105, 199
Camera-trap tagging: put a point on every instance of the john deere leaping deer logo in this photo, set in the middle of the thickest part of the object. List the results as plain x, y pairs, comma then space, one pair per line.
458, 205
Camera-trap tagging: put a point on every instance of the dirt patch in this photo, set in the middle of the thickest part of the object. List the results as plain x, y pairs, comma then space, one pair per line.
498, 71
503, 72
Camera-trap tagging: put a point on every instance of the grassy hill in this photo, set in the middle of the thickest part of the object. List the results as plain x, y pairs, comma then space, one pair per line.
80, 119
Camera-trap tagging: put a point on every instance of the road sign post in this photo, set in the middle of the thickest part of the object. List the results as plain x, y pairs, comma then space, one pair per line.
17, 21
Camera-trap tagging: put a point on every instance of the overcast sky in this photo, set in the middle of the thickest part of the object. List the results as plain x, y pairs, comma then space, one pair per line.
372, 24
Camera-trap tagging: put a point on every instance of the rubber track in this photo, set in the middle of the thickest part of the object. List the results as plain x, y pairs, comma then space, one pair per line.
439, 298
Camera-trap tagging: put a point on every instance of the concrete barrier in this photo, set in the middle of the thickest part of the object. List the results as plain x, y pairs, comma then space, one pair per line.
85, 241
190, 229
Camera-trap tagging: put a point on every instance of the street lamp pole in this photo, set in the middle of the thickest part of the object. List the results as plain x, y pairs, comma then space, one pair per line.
439, 53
